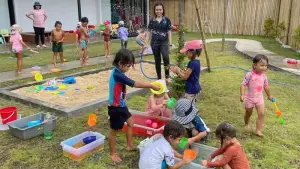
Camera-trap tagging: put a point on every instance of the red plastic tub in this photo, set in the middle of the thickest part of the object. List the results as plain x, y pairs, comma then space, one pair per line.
140, 128
8, 114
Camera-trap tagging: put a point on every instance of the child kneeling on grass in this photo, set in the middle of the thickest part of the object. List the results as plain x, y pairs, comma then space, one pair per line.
230, 155
117, 109
160, 153
186, 114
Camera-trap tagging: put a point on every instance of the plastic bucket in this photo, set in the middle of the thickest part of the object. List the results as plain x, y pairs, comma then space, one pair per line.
8, 114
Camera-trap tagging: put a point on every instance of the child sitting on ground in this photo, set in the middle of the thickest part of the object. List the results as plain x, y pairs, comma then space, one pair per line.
186, 114
117, 109
56, 39
256, 81
192, 49
156, 105
123, 34
160, 153
230, 155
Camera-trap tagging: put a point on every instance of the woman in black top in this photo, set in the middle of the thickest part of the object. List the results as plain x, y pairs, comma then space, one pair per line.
160, 27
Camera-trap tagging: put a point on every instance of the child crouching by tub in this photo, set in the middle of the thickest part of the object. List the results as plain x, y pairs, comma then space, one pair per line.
156, 105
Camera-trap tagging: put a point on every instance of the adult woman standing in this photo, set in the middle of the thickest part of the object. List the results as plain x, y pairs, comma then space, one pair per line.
161, 39
39, 18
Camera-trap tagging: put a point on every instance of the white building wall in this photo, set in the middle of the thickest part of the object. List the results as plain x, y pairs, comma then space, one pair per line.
4, 15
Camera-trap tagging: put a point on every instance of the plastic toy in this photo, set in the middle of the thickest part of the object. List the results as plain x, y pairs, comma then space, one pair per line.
34, 123
183, 143
69, 80
55, 92
148, 122
92, 120
55, 70
66, 60
154, 125
48, 135
171, 103
191, 154
51, 88
88, 140
39, 87
61, 93
62, 86
90, 87
161, 86
51, 82
38, 77
36, 67
278, 112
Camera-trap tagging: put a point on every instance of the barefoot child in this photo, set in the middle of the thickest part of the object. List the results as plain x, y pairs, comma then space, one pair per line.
117, 109
106, 35
123, 34
160, 154
186, 113
83, 39
156, 105
15, 44
230, 155
256, 81
57, 38
192, 49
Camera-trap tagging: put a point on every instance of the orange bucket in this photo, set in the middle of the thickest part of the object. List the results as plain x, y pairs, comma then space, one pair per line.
8, 114
191, 154
92, 120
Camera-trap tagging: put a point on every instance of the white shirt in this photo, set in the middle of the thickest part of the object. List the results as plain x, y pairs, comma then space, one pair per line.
154, 154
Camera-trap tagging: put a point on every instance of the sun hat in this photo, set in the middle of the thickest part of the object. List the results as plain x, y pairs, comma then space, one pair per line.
37, 4
121, 23
107, 22
193, 44
185, 111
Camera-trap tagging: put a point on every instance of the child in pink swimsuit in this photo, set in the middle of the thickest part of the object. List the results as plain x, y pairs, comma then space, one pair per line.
156, 105
256, 81
16, 47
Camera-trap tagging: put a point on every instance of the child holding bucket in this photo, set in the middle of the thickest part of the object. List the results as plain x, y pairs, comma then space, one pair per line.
156, 105
117, 108
256, 81
160, 154
192, 86
230, 154
186, 114
16, 46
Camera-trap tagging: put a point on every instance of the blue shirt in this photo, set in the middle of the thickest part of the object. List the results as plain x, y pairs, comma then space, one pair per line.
192, 83
160, 30
117, 87
123, 33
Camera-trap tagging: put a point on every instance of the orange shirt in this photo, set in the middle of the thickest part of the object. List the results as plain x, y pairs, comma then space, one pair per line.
233, 155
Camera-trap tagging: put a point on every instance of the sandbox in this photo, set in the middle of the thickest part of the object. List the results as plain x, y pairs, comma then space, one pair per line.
88, 93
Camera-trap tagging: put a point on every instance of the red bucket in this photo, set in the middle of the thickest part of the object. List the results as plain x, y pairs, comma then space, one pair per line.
8, 114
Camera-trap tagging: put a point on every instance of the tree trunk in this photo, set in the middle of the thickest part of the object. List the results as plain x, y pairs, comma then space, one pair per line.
181, 31
224, 23
202, 35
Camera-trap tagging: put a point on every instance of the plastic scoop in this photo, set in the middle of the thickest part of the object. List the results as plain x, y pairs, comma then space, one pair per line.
88, 140
161, 86
92, 120
38, 77
171, 103
191, 154
183, 143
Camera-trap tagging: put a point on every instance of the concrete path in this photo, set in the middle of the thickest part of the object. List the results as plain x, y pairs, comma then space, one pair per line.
244, 46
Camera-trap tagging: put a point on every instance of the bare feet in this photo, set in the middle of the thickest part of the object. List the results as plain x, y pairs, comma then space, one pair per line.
131, 148
247, 127
115, 158
259, 134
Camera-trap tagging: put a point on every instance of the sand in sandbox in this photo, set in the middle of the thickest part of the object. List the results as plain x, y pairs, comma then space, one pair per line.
99, 81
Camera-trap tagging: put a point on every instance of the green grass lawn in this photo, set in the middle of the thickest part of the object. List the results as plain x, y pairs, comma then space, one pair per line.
219, 101
70, 53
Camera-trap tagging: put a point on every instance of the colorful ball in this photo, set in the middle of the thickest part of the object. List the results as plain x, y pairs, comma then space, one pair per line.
148, 122
154, 125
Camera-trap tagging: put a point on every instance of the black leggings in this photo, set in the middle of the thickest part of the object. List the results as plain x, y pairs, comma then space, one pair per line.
39, 32
124, 44
157, 51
